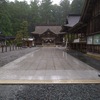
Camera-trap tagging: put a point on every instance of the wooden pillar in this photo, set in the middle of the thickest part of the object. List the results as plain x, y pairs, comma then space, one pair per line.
10, 47
2, 48
68, 37
71, 36
16, 47
5, 48
13, 46
77, 35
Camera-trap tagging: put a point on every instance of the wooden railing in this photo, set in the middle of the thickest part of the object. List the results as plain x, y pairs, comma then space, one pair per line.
5, 48
93, 48
81, 47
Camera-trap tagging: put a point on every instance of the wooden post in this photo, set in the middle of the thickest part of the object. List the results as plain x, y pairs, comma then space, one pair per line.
5, 48
77, 36
68, 37
2, 48
10, 47
13, 46
71, 37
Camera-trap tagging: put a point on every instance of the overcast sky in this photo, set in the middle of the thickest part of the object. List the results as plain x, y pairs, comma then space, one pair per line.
54, 1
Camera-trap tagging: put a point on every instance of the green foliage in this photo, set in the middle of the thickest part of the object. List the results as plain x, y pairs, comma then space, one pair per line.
65, 5
5, 22
34, 14
19, 12
24, 29
76, 6
45, 11
18, 39
19, 36
19, 44
22, 33
6, 25
56, 14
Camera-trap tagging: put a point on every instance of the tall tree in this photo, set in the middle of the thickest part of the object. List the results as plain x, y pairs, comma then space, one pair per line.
24, 29
45, 11
33, 16
22, 33
5, 22
65, 5
76, 6
19, 11
35, 11
18, 39
6, 25
56, 14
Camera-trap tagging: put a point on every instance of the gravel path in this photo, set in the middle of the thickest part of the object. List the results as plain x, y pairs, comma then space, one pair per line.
50, 92
9, 56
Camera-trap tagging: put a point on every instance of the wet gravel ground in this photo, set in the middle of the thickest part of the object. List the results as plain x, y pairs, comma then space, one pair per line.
9, 56
83, 57
50, 92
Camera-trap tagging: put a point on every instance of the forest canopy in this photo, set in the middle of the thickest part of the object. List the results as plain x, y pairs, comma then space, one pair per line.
13, 14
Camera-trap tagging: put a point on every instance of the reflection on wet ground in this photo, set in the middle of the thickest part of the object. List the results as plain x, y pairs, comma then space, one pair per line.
48, 63
95, 63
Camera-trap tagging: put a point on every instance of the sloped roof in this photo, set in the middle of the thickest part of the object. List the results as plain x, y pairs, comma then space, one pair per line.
72, 20
65, 28
43, 29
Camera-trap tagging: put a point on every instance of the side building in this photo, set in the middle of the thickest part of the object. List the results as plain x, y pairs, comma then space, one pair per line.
85, 35
93, 26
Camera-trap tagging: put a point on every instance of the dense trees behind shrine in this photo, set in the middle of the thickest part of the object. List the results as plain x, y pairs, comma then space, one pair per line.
14, 14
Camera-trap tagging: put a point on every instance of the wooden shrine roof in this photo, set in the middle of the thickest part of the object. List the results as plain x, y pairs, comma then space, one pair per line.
43, 29
73, 19
65, 28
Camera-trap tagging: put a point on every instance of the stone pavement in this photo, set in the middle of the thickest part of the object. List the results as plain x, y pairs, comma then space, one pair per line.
48, 64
